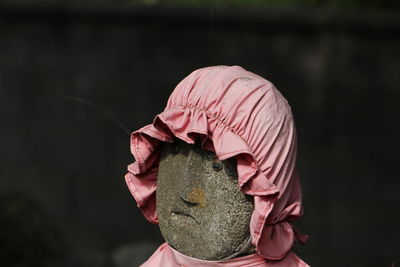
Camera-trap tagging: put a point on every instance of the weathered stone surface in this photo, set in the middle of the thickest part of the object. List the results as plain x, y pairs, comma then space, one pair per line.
201, 211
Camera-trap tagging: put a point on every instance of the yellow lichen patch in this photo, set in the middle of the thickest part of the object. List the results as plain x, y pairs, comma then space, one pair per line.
197, 196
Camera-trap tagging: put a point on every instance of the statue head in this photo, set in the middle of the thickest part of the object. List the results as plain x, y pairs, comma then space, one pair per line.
201, 211
217, 168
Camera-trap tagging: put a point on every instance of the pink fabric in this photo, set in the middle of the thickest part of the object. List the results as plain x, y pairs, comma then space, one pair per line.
235, 113
166, 256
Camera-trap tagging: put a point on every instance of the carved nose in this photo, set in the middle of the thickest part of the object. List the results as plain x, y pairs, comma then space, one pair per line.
184, 198
191, 193
196, 197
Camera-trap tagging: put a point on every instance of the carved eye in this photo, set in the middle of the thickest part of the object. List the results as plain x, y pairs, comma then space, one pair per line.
175, 148
217, 166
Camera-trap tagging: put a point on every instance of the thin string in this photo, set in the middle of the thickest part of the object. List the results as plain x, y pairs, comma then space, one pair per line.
210, 33
102, 111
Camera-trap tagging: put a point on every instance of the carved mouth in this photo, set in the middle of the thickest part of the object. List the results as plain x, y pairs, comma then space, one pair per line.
181, 213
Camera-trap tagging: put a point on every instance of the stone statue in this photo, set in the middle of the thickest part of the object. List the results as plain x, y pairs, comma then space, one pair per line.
217, 171
200, 209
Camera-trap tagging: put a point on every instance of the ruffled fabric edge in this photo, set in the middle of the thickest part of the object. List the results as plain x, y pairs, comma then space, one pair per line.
272, 239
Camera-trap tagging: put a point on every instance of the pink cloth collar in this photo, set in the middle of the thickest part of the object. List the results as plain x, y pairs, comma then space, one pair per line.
166, 256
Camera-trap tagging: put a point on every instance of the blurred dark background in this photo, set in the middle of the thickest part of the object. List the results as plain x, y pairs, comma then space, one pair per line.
73, 74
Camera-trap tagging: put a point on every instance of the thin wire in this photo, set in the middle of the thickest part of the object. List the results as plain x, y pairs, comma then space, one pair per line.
104, 112
210, 32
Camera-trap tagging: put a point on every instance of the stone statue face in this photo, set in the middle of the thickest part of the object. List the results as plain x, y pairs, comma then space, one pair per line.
200, 209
